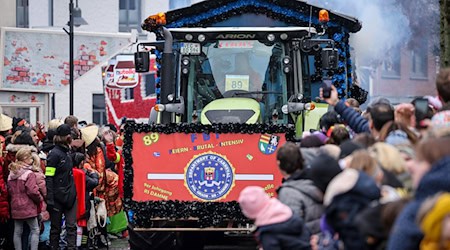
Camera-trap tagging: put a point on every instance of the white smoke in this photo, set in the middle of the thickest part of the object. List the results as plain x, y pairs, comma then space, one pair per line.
384, 26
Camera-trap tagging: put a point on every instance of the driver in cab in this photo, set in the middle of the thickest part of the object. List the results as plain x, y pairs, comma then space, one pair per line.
243, 78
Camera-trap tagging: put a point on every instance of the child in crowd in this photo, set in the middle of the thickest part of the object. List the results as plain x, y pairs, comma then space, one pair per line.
277, 226
25, 197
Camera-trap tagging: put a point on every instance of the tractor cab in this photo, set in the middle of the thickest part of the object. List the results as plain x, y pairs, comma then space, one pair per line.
242, 74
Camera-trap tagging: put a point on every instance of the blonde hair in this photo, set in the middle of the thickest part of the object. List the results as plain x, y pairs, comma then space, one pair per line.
389, 157
54, 124
21, 156
363, 161
36, 166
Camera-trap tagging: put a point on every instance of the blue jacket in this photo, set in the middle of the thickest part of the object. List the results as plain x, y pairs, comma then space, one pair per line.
406, 233
354, 120
344, 208
291, 234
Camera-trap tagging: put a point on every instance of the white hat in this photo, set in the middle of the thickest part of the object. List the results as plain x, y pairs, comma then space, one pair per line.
88, 134
5, 121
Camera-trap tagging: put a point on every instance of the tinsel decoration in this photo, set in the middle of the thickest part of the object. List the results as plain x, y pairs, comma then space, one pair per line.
358, 93
295, 13
209, 213
158, 62
207, 13
340, 75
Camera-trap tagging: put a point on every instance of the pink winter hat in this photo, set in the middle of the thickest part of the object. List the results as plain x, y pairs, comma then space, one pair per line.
258, 206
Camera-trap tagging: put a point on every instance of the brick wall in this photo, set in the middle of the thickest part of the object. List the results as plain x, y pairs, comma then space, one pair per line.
406, 85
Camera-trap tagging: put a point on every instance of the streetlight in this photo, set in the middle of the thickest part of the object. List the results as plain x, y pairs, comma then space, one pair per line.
75, 20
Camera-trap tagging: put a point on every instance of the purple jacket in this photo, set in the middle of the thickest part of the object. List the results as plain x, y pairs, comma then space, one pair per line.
25, 195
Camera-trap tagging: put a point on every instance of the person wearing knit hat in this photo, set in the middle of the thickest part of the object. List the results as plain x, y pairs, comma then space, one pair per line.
323, 169
6, 122
347, 148
277, 226
311, 141
434, 220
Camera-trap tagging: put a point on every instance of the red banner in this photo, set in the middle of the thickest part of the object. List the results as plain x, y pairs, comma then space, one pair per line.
205, 167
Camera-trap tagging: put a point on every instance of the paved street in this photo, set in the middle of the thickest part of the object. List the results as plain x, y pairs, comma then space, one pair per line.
248, 244
119, 244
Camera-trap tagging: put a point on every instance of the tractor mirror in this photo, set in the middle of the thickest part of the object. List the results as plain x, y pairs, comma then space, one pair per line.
142, 61
329, 58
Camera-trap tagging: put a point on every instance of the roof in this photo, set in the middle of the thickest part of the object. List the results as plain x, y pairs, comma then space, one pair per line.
293, 12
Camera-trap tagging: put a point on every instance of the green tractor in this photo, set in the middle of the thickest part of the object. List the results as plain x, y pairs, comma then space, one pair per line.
239, 75
227, 63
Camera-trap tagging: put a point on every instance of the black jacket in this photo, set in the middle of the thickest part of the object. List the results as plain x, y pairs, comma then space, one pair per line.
290, 235
61, 192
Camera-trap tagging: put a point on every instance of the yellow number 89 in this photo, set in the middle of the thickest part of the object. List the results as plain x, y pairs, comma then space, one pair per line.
150, 138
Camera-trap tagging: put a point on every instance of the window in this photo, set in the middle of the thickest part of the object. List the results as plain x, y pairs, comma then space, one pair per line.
127, 94
176, 4
22, 13
148, 88
98, 109
391, 64
129, 15
419, 61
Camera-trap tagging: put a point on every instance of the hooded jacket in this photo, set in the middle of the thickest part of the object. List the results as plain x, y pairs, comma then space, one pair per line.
25, 195
347, 195
406, 234
10, 157
277, 227
12, 149
291, 234
304, 198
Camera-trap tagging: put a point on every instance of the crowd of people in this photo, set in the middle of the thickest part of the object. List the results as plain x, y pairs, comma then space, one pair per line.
60, 185
372, 179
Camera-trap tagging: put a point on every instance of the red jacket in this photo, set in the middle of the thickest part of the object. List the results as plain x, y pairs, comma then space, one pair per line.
80, 184
4, 204
7, 159
117, 158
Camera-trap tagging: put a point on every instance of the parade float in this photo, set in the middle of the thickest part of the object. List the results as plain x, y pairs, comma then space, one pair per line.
236, 79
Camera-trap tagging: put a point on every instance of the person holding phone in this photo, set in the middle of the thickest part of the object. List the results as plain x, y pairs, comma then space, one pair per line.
380, 112
422, 112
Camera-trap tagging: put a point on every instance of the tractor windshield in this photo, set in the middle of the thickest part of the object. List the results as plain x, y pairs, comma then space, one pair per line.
250, 69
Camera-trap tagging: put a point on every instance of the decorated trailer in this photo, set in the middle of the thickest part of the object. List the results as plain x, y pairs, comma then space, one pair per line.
235, 80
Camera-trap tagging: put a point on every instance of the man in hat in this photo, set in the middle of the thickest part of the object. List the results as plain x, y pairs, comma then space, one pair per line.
380, 112
61, 192
5, 124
